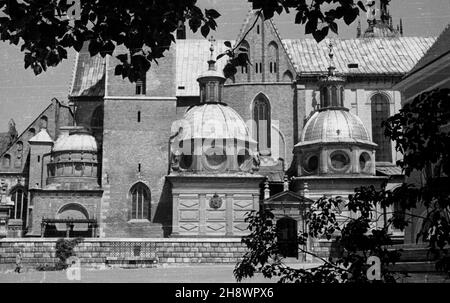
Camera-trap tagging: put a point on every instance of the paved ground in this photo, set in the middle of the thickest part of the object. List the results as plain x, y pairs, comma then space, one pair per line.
185, 274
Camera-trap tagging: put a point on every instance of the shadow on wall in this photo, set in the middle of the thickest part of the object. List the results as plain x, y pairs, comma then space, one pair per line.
163, 213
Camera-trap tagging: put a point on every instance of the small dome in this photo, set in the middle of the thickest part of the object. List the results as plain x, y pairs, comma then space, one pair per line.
335, 125
77, 140
214, 121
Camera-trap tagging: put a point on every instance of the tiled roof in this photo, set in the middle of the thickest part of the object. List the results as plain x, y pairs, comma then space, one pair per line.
89, 75
389, 170
382, 56
438, 49
192, 57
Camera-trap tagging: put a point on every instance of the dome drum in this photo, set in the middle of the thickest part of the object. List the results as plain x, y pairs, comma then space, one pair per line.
335, 159
74, 161
334, 141
216, 156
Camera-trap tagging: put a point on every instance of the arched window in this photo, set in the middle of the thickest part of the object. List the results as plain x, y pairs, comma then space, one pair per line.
324, 97
6, 161
140, 202
334, 96
32, 132
19, 198
44, 122
261, 116
287, 76
245, 70
380, 112
273, 59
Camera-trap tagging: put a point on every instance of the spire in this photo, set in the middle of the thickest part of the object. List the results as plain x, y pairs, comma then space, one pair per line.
211, 61
331, 67
286, 183
401, 27
266, 190
358, 29
381, 27
384, 12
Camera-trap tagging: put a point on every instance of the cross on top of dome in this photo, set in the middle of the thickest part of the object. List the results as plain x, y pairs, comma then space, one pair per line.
211, 62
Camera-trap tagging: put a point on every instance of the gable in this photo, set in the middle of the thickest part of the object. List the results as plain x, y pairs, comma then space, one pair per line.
19, 149
287, 197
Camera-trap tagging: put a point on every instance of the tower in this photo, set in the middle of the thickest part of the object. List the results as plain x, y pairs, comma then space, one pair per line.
379, 21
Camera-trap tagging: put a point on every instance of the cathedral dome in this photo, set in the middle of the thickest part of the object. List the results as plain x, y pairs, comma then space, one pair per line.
214, 121
335, 125
77, 140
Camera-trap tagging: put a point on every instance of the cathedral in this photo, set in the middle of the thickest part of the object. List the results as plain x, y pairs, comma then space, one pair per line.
186, 152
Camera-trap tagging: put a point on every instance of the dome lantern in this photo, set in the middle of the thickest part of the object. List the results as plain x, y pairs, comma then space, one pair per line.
331, 86
211, 82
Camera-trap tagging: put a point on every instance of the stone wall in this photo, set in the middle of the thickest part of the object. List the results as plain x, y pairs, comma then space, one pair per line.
98, 252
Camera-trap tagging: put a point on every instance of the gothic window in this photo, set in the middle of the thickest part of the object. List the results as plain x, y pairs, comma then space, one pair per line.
261, 116
380, 112
244, 69
6, 161
19, 198
273, 58
140, 86
140, 202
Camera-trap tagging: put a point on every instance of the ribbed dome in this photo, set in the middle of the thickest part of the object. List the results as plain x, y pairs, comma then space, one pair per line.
214, 121
77, 140
335, 125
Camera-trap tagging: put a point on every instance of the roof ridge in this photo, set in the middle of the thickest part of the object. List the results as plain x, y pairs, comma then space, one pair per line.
437, 42
250, 15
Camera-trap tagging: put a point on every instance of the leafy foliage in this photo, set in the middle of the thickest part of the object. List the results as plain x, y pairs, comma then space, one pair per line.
417, 131
354, 236
145, 28
65, 250
46, 29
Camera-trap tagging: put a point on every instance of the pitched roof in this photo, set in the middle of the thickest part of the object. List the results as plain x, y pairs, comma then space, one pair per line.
440, 48
192, 57
376, 56
388, 169
89, 75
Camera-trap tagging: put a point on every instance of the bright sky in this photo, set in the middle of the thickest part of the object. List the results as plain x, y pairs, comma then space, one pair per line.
23, 96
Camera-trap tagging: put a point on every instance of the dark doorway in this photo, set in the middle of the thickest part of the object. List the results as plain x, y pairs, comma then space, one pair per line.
287, 237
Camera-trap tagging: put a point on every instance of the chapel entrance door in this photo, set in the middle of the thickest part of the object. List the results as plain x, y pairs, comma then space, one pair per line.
287, 237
